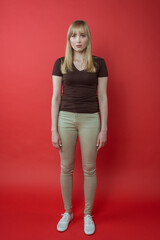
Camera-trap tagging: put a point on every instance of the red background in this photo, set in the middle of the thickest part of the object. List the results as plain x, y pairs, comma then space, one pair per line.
33, 35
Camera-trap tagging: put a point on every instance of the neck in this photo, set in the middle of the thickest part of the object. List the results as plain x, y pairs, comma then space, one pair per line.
78, 55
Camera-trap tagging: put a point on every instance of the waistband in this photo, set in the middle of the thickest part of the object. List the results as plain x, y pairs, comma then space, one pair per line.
75, 113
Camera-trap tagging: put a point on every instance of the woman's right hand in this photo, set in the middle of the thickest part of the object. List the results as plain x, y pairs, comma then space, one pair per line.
56, 140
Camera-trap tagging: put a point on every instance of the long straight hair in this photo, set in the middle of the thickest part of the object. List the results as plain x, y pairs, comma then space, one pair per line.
66, 64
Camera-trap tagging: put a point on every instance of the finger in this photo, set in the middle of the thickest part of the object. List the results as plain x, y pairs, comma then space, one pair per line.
99, 146
56, 146
98, 142
60, 143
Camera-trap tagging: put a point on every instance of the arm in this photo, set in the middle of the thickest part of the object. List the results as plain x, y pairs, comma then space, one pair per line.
103, 101
103, 105
56, 100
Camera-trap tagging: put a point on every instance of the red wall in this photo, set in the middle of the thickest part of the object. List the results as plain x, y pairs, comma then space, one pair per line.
126, 34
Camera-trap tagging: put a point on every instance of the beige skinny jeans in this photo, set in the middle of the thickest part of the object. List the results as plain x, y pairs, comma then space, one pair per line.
86, 126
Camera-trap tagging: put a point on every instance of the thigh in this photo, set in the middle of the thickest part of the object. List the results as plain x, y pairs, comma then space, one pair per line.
68, 134
89, 128
69, 140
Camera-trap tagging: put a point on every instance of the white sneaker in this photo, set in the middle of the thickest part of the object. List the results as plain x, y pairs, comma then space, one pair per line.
89, 226
64, 221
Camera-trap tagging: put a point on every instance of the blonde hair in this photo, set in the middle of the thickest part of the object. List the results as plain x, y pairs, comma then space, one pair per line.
66, 64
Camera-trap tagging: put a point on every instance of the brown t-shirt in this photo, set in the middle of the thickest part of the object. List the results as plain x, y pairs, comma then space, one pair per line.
80, 87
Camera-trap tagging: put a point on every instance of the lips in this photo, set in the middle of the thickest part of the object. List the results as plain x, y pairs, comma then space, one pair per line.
78, 45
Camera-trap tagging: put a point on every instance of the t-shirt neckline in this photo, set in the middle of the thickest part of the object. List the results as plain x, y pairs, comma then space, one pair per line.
84, 70
78, 69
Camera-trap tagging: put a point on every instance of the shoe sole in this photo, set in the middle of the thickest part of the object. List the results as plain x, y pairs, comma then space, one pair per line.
89, 233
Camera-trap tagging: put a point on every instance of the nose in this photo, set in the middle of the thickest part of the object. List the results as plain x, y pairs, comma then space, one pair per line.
78, 38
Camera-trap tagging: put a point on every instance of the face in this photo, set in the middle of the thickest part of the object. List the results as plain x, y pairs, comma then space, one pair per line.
79, 40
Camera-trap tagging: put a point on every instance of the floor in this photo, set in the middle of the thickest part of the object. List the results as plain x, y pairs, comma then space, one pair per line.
34, 216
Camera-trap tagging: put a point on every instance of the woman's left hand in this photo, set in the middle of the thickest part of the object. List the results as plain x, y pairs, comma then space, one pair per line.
102, 139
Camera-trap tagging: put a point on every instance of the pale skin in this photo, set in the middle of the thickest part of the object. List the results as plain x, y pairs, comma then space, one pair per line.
79, 38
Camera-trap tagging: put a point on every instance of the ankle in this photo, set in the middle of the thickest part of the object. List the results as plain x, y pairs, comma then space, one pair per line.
69, 211
87, 214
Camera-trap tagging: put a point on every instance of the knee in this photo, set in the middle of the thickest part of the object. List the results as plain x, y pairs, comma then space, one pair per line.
89, 170
67, 169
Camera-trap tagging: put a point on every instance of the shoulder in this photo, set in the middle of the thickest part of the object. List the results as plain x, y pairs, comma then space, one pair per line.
59, 60
57, 67
102, 67
98, 61
97, 58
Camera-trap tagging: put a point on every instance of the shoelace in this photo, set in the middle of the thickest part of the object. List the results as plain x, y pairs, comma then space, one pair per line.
89, 219
65, 217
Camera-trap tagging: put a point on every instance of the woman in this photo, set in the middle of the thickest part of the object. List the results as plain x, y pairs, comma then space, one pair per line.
76, 114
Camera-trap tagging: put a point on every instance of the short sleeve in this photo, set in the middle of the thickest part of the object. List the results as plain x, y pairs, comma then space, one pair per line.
57, 68
103, 71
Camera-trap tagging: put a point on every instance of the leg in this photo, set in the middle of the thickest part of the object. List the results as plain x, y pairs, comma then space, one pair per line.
67, 155
88, 133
